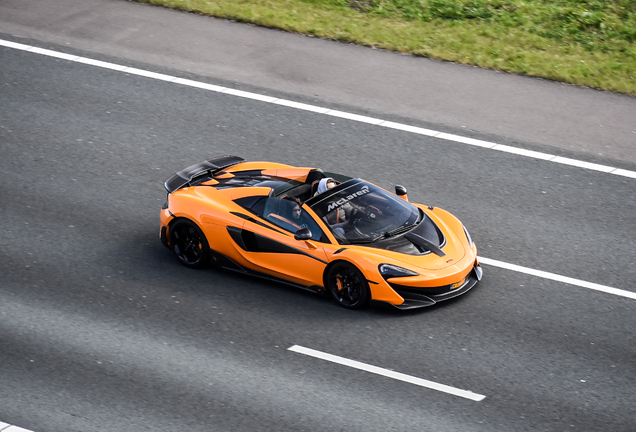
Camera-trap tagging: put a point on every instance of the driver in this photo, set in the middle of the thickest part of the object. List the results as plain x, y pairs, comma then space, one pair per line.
325, 184
344, 217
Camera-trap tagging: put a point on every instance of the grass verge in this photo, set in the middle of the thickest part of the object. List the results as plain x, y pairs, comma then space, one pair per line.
589, 43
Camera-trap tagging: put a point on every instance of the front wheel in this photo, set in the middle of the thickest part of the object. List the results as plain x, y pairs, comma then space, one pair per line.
348, 286
189, 244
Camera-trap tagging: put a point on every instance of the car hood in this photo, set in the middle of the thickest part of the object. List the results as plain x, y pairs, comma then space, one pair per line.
429, 245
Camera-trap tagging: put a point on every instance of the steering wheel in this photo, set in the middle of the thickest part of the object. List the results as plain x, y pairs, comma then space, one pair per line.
361, 219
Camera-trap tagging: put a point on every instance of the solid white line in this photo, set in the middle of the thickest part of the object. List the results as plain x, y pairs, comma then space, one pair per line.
301, 106
523, 152
625, 173
558, 278
327, 111
56, 54
101, 64
197, 84
581, 164
466, 140
387, 373
354, 117
249, 95
148, 74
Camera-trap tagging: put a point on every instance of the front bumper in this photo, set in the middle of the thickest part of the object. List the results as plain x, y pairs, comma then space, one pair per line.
428, 296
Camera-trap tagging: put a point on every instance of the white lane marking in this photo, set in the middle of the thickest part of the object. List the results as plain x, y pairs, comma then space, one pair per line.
387, 373
148, 74
4, 427
327, 111
558, 278
411, 129
197, 84
466, 140
355, 117
523, 152
581, 164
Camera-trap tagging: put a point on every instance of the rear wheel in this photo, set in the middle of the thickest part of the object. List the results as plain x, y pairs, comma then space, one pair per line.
189, 244
348, 286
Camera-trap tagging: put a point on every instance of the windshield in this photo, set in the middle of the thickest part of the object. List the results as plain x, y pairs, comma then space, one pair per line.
359, 212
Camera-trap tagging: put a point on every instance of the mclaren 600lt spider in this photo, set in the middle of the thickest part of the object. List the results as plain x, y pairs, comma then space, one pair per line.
319, 231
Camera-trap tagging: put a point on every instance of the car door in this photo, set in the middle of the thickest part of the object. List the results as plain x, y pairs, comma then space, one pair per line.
275, 251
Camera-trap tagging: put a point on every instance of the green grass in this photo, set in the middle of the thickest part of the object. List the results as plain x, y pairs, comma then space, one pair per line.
583, 42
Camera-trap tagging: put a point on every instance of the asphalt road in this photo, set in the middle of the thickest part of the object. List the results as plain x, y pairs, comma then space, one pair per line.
102, 330
533, 113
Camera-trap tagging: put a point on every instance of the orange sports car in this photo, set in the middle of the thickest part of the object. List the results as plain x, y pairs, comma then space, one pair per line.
319, 231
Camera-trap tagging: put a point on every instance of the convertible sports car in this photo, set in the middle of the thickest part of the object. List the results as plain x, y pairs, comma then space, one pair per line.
344, 236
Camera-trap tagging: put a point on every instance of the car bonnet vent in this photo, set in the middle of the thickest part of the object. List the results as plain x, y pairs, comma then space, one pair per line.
427, 237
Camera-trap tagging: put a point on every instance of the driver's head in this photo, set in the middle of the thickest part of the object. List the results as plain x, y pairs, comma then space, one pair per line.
326, 184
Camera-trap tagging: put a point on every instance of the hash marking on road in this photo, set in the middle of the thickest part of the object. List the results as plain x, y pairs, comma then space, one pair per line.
321, 110
387, 373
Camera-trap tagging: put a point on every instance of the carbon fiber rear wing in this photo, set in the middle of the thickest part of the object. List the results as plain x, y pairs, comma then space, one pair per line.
209, 167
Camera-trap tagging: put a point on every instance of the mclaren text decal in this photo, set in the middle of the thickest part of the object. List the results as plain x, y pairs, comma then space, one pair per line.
363, 190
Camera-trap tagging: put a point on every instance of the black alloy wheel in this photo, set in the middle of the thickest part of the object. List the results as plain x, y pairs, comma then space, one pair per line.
189, 244
348, 286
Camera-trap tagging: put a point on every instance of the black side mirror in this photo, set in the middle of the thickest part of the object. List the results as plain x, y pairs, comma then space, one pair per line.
401, 192
303, 234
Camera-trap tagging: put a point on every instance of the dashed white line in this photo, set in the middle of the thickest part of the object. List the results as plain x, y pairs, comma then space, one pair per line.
387, 373
326, 111
558, 278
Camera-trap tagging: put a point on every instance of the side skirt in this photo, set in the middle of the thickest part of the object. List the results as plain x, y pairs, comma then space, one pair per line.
220, 260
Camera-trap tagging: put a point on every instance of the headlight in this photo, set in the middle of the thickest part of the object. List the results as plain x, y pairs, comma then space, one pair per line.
470, 240
388, 270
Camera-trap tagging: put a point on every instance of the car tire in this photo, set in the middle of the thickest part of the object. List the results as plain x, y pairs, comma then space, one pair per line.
189, 244
348, 286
